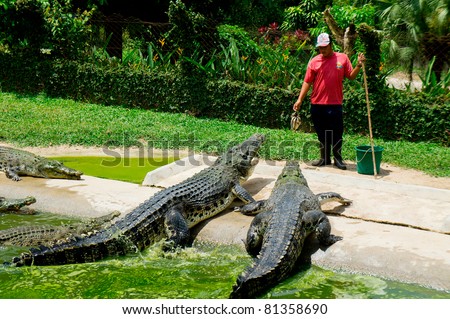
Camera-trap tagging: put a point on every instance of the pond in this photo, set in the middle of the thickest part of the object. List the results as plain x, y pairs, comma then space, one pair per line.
130, 169
203, 271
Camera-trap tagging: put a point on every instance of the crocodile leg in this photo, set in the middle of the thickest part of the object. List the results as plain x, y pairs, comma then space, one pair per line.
332, 196
242, 194
252, 208
12, 174
255, 234
177, 228
317, 221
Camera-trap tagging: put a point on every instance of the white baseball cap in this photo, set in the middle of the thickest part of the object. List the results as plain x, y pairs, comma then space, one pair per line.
323, 40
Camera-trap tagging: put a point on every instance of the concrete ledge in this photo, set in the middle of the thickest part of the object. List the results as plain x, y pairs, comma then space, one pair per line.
174, 172
89, 197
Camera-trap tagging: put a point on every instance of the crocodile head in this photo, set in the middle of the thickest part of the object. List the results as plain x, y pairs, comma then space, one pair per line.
9, 204
243, 156
49, 168
291, 173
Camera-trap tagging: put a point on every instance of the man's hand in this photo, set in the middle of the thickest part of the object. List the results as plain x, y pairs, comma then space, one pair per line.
361, 58
302, 95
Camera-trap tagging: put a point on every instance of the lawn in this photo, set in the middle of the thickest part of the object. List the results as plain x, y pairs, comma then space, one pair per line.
42, 121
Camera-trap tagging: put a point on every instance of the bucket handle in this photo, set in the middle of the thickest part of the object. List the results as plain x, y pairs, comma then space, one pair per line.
365, 153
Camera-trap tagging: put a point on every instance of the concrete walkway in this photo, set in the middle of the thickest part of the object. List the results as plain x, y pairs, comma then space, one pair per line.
393, 230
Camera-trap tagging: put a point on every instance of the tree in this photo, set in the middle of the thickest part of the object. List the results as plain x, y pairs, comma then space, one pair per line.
305, 15
345, 38
52, 27
407, 22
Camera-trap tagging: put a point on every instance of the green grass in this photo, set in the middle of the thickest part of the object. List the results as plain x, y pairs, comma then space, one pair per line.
41, 121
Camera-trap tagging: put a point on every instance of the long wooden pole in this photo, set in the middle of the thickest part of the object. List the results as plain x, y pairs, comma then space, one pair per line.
370, 121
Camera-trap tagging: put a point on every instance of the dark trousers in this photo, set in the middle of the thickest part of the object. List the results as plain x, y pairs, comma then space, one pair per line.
329, 125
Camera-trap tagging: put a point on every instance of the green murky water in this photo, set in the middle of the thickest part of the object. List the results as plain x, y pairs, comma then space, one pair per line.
202, 271
131, 170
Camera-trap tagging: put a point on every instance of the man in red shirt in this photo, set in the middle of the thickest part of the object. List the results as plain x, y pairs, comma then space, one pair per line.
326, 73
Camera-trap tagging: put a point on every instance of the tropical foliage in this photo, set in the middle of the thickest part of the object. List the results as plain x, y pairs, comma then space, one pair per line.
44, 27
303, 16
408, 22
243, 74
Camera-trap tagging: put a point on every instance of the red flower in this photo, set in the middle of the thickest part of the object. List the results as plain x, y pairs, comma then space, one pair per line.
262, 29
301, 35
273, 26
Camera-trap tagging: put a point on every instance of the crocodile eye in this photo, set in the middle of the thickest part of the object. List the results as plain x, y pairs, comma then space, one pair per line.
244, 156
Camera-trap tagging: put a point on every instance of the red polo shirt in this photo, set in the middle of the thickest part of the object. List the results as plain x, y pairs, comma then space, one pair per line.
326, 75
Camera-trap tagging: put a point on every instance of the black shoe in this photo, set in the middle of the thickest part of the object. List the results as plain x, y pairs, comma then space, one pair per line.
321, 162
339, 163
337, 155
324, 156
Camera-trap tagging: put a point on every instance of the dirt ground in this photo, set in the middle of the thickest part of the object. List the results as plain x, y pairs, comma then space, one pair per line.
401, 80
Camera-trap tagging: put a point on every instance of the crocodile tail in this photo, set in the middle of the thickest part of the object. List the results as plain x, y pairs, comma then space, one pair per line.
75, 252
247, 287
270, 268
25, 235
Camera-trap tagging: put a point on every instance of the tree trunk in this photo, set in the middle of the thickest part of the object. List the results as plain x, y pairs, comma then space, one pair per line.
346, 39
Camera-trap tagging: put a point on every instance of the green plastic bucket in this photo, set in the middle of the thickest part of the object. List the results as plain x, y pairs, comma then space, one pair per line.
364, 161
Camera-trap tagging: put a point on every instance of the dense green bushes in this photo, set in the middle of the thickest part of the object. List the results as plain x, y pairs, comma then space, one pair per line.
398, 115
395, 114
36, 26
205, 81
169, 92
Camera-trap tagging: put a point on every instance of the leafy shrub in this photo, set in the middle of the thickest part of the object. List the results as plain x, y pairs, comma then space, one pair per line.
347, 14
372, 48
249, 13
68, 28
306, 15
51, 27
244, 43
189, 28
23, 72
278, 61
430, 83
395, 114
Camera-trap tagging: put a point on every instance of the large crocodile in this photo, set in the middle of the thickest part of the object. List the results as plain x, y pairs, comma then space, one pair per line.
16, 163
52, 234
277, 234
16, 205
169, 214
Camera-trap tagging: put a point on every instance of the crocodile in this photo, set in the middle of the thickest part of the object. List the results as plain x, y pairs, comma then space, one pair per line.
49, 235
13, 205
276, 235
166, 216
16, 163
